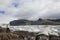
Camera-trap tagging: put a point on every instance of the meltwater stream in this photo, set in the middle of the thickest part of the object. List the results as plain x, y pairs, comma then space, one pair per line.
43, 29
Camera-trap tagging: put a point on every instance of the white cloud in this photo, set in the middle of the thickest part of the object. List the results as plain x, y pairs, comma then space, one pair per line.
5, 19
30, 9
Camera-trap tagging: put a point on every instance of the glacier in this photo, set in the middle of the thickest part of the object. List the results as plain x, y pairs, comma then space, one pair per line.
41, 29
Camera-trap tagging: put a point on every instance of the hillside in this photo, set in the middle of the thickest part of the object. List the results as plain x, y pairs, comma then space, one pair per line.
38, 22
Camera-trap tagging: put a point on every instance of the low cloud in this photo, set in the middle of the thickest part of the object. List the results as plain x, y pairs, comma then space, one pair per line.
30, 9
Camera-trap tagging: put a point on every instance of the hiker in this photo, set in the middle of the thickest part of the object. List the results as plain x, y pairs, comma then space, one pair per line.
7, 28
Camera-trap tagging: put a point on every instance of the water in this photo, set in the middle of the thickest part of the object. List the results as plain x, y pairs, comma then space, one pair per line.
45, 29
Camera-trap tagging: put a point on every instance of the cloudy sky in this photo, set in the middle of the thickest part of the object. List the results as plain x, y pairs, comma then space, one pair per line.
28, 9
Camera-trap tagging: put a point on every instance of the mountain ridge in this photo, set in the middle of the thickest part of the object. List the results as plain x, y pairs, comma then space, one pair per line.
37, 22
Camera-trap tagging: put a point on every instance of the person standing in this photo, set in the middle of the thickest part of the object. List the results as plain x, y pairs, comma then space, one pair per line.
7, 28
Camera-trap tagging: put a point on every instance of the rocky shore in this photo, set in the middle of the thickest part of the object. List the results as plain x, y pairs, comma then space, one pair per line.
25, 35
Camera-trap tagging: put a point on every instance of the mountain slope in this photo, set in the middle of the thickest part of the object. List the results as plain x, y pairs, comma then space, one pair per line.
38, 22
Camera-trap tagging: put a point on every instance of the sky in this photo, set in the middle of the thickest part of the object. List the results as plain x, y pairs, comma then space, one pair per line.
29, 9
